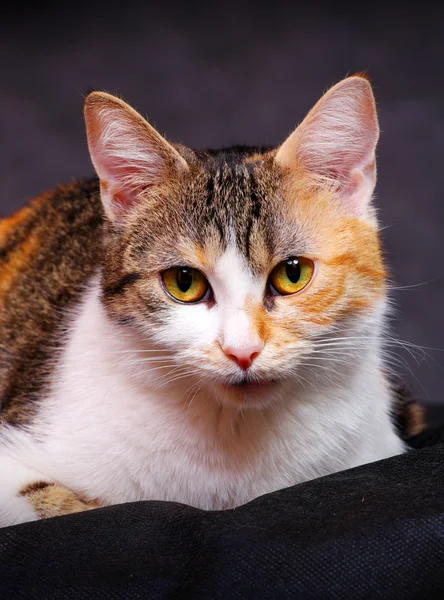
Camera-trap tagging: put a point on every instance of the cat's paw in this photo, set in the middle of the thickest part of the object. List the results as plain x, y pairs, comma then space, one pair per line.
29, 495
49, 499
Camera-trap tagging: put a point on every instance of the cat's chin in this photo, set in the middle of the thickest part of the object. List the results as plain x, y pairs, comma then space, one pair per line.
253, 394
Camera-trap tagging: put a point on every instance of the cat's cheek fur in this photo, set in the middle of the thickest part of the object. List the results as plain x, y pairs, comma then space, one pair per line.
190, 327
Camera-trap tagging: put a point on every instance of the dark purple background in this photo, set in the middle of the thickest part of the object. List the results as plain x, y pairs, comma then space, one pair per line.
238, 73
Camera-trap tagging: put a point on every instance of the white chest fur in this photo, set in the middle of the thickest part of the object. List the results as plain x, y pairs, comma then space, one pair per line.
109, 435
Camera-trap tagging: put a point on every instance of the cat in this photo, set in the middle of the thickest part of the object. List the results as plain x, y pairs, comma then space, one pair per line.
196, 326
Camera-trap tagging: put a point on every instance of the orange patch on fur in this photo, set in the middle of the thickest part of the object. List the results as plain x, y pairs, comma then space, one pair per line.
195, 255
200, 256
324, 321
53, 500
16, 261
319, 301
258, 318
103, 186
351, 271
8, 225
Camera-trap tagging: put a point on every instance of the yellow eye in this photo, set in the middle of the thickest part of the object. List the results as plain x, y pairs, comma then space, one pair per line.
291, 276
185, 284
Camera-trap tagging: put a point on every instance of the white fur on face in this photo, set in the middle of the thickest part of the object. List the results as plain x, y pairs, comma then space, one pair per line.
197, 328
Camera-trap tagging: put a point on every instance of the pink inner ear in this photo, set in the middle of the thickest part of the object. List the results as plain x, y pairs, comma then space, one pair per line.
336, 151
125, 183
335, 144
127, 166
128, 154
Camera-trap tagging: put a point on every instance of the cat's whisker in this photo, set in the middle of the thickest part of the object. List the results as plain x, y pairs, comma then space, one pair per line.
301, 381
349, 343
389, 357
140, 352
393, 356
325, 363
294, 372
334, 356
335, 361
391, 286
416, 352
176, 377
136, 361
337, 339
171, 380
148, 357
338, 358
151, 370
410, 371
171, 370
187, 391
335, 350
345, 343
195, 394
323, 367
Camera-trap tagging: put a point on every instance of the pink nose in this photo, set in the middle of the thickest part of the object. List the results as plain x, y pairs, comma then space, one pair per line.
243, 356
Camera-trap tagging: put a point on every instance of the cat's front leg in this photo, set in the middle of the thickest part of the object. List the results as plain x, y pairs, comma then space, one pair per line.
27, 495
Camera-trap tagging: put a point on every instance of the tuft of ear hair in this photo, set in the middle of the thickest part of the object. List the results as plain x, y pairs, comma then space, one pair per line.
128, 154
335, 144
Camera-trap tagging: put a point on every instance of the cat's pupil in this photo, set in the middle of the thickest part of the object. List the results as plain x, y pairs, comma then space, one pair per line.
184, 279
293, 270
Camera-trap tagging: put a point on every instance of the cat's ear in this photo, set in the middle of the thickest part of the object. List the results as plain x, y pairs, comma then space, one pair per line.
130, 156
335, 144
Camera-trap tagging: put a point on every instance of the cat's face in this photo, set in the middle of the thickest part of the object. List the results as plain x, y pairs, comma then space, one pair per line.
247, 268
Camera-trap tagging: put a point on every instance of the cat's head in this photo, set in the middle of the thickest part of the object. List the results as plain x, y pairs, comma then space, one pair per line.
253, 270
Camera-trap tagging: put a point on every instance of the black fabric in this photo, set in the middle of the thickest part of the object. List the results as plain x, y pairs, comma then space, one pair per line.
376, 531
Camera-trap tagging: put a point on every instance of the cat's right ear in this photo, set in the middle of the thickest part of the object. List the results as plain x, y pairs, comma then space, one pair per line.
129, 156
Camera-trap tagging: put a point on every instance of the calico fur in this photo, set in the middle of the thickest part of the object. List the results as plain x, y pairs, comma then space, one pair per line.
112, 392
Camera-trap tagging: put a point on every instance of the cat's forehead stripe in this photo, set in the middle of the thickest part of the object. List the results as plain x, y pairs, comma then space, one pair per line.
235, 202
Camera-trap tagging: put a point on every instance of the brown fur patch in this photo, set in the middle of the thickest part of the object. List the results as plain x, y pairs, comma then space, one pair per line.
409, 414
47, 252
256, 157
415, 416
36, 486
53, 500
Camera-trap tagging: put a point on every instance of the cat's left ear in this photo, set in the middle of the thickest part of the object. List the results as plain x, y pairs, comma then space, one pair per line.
335, 144
130, 157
